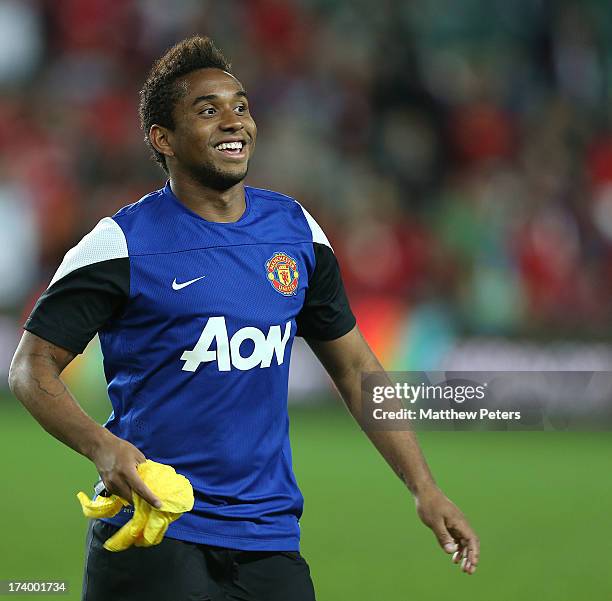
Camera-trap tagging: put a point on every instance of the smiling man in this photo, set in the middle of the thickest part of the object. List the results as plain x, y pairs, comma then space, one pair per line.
197, 292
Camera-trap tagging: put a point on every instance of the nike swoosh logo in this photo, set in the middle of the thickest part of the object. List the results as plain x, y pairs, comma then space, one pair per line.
176, 286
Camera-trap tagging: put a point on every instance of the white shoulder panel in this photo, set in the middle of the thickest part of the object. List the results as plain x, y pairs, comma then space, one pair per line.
106, 241
317, 233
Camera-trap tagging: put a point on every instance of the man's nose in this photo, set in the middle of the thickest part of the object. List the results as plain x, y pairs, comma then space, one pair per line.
231, 122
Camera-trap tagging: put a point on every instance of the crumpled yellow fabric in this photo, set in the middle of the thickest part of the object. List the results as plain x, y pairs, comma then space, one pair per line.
148, 525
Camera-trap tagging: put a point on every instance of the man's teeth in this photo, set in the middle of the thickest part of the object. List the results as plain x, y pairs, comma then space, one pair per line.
230, 146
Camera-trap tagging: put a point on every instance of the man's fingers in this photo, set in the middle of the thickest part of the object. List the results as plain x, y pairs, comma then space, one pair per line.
119, 488
459, 555
139, 456
141, 489
469, 546
468, 554
473, 552
447, 542
452, 530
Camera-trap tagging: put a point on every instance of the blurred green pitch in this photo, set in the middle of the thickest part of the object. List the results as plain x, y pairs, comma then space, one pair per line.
541, 502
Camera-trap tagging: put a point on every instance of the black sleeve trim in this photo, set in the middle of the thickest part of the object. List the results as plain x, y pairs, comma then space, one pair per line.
71, 311
326, 314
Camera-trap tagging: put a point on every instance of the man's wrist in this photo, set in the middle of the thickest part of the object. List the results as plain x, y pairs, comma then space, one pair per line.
96, 441
423, 487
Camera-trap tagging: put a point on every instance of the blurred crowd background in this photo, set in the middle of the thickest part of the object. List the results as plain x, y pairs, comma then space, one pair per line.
458, 154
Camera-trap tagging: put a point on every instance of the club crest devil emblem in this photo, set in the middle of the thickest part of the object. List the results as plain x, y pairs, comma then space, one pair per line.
282, 273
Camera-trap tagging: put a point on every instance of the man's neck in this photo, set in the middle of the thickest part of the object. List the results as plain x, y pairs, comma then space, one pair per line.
223, 206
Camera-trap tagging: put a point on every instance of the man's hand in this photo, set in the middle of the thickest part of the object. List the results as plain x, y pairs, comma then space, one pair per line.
34, 378
450, 526
346, 359
116, 460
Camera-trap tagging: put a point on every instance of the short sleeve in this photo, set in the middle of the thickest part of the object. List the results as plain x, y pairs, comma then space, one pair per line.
326, 314
90, 288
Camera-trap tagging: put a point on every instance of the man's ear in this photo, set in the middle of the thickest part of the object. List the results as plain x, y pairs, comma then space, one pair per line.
160, 139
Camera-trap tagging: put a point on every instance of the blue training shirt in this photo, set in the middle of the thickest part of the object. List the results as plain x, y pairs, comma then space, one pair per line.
196, 321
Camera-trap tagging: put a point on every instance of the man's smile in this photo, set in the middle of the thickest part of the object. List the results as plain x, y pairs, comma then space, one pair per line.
232, 148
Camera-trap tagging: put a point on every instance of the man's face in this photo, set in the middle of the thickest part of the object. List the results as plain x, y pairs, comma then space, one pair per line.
214, 134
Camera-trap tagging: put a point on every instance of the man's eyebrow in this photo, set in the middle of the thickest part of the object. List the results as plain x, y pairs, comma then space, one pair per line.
208, 97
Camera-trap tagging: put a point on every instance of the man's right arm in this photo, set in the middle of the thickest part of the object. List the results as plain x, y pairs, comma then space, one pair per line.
34, 378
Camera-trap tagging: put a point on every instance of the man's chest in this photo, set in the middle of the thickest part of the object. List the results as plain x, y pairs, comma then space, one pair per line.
255, 285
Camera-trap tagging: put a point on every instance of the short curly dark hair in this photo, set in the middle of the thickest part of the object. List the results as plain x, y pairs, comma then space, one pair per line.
160, 93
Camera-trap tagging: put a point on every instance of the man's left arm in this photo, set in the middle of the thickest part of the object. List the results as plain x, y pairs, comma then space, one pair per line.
346, 359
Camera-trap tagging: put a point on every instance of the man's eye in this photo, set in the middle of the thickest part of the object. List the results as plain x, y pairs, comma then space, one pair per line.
241, 108
208, 111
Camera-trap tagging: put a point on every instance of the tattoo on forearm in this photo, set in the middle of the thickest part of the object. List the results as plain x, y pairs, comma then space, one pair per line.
44, 357
46, 386
45, 366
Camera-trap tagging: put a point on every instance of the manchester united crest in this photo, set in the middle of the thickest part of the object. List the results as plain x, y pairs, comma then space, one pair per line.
282, 273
